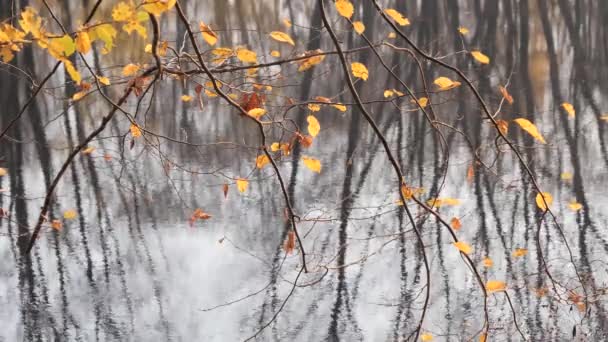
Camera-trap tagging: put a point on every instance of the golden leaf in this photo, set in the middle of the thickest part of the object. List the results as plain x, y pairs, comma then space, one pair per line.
359, 27
157, 7
261, 161
106, 33
130, 69
312, 164
539, 200
505, 94
425, 337
123, 11
345, 8
313, 126
529, 127
314, 107
463, 30
392, 35
422, 102
222, 52
575, 206
69, 67
388, 93
445, 83
208, 35
487, 262
282, 37
287, 22
275, 146
83, 42
503, 126
275, 53
135, 131
455, 223
77, 96
463, 247
482, 337
103, 80
308, 63
3, 171
242, 184
569, 108
88, 150
246, 56
30, 22
186, 98
519, 252
359, 70
496, 286
440, 202
566, 176
339, 107
70, 214
480, 57
397, 17
256, 112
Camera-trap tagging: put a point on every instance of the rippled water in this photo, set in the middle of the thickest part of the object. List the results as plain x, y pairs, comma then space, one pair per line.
131, 266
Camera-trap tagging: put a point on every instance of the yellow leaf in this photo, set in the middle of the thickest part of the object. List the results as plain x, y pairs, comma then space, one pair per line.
539, 200
440, 202
314, 107
445, 83
463, 247
136, 26
388, 93
70, 214
222, 52
503, 126
123, 11
423, 101
157, 7
88, 150
425, 337
529, 127
482, 337
106, 33
246, 56
312, 164
130, 69
61, 47
186, 98
455, 223
275, 53
505, 94
397, 17
392, 35
359, 27
569, 108
496, 286
575, 206
261, 160
103, 80
463, 30
308, 63
256, 112
242, 184
3, 171
339, 107
287, 22
487, 262
69, 67
282, 37
135, 131
519, 252
275, 146
208, 35
566, 176
359, 70
77, 96
480, 57
83, 42
345, 8
313, 126
30, 21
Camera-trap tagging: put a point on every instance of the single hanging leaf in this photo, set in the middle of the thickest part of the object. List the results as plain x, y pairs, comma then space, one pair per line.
135, 131
422, 102
487, 262
359, 27
575, 206
242, 184
70, 214
397, 17
496, 286
287, 22
186, 98
246, 56
256, 112
505, 94
313, 126
275, 53
312, 164
392, 35
520, 252
539, 200
61, 47
69, 67
463, 30
261, 161
569, 108
83, 42
345, 8
463, 247
359, 70
388, 93
314, 107
455, 223
426, 337
89, 150
308, 63
444, 83
339, 107
529, 127
103, 80
208, 35
480, 57
290, 242
282, 37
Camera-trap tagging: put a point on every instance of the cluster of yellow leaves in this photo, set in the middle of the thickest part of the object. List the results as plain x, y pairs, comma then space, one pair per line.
127, 13
543, 204
463, 247
529, 127
397, 17
359, 70
282, 37
312, 164
444, 83
480, 57
208, 35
